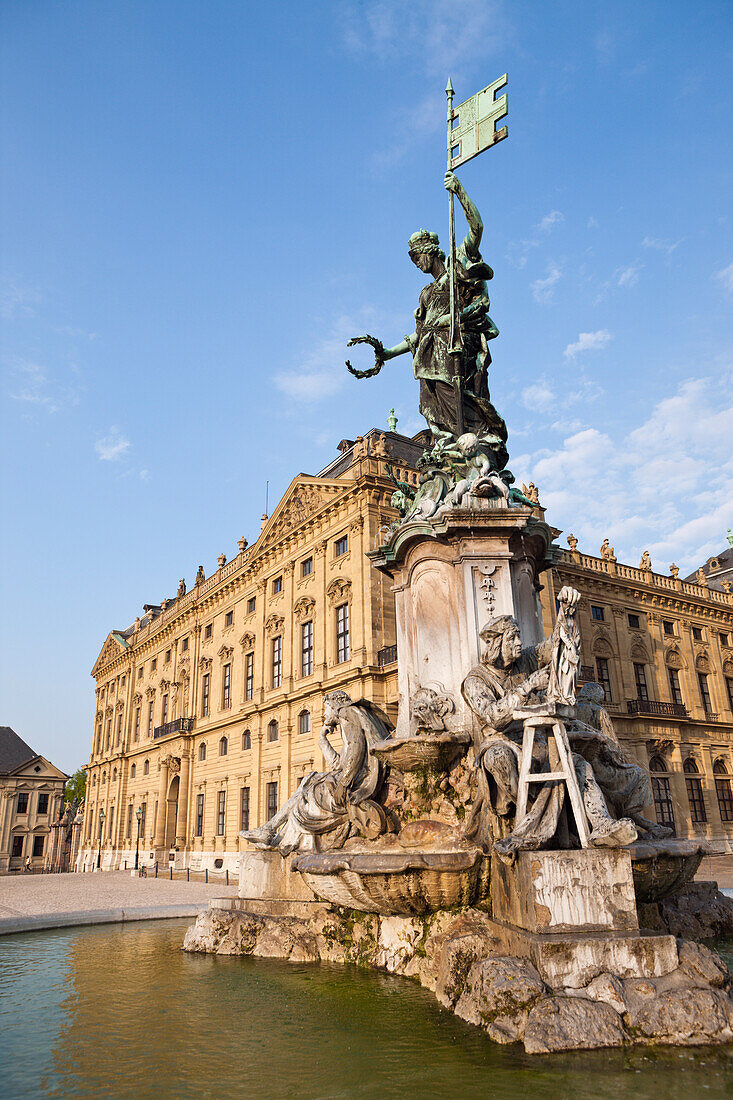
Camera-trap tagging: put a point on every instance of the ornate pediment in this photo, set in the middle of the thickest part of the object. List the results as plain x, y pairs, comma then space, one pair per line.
304, 608
302, 500
247, 641
137, 698
150, 692
164, 684
205, 664
225, 652
112, 648
274, 624
338, 591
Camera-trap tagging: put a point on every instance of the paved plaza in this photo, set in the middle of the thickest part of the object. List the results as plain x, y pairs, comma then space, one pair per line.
48, 901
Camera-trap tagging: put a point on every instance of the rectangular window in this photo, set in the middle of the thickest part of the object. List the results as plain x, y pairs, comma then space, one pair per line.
205, 695
144, 808
277, 585
17, 851
304, 722
634, 623
696, 634
694, 797
640, 678
306, 665
150, 718
271, 800
249, 676
341, 546
725, 639
129, 821
43, 803
729, 685
221, 815
229, 618
604, 678
596, 613
23, 802
702, 680
119, 727
342, 633
199, 815
251, 604
674, 686
109, 732
244, 809
306, 567
140, 673
668, 627
167, 656
184, 645
137, 724
110, 821
226, 698
164, 710
663, 801
277, 661
725, 797
208, 630
38, 845
153, 664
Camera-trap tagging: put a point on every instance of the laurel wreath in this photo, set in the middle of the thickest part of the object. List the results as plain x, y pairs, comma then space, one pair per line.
378, 355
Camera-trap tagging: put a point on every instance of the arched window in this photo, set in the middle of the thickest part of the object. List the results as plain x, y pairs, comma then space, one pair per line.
661, 792
114, 776
723, 791
273, 730
104, 777
133, 769
202, 751
146, 767
304, 722
246, 740
694, 791
223, 747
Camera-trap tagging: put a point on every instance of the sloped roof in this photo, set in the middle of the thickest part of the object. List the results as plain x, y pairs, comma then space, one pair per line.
716, 569
13, 750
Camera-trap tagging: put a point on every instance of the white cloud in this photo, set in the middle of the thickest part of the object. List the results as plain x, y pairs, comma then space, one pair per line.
659, 245
16, 299
628, 276
592, 223
323, 372
538, 397
725, 277
433, 34
543, 290
665, 485
588, 341
112, 446
550, 221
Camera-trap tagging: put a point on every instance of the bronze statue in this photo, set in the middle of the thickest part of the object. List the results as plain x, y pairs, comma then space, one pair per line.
434, 361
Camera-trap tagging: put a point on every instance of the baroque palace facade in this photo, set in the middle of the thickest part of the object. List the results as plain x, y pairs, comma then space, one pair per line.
208, 708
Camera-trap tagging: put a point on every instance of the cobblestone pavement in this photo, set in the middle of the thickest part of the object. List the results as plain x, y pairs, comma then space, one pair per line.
718, 868
42, 895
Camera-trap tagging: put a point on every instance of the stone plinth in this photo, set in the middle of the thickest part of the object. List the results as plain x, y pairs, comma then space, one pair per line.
451, 575
591, 890
268, 884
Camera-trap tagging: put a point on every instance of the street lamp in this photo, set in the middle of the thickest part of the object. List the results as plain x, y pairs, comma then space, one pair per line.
139, 816
99, 853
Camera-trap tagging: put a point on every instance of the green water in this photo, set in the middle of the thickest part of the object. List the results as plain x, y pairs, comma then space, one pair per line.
119, 1010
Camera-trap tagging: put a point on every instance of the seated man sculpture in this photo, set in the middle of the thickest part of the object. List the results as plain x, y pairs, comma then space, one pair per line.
625, 784
508, 680
329, 807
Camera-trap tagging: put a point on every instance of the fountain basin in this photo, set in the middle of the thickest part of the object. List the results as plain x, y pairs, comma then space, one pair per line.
664, 867
434, 751
397, 883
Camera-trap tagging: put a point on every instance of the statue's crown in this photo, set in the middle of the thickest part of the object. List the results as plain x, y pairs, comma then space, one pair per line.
423, 241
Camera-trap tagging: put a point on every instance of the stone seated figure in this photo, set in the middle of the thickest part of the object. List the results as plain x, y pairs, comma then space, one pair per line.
329, 807
509, 679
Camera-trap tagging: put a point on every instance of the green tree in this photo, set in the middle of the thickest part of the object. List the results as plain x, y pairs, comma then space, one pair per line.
76, 786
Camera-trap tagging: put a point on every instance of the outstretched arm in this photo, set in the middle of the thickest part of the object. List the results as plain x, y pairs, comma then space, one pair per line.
475, 225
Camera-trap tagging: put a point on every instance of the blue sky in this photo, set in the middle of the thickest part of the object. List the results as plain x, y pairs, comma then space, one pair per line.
202, 202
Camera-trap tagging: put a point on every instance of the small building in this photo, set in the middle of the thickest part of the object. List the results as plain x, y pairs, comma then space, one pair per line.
31, 801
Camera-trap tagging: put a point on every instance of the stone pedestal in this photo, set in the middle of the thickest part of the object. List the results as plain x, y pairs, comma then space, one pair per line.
590, 890
451, 575
269, 885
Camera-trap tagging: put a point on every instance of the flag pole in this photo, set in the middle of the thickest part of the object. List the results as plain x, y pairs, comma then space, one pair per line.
454, 348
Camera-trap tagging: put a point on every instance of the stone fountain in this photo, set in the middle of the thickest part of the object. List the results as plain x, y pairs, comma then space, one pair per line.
492, 844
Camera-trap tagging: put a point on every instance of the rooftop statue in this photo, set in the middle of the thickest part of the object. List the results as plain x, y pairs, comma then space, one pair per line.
329, 807
510, 679
435, 362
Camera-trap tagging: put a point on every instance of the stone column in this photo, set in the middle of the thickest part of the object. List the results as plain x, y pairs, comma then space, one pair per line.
256, 818
182, 817
162, 796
